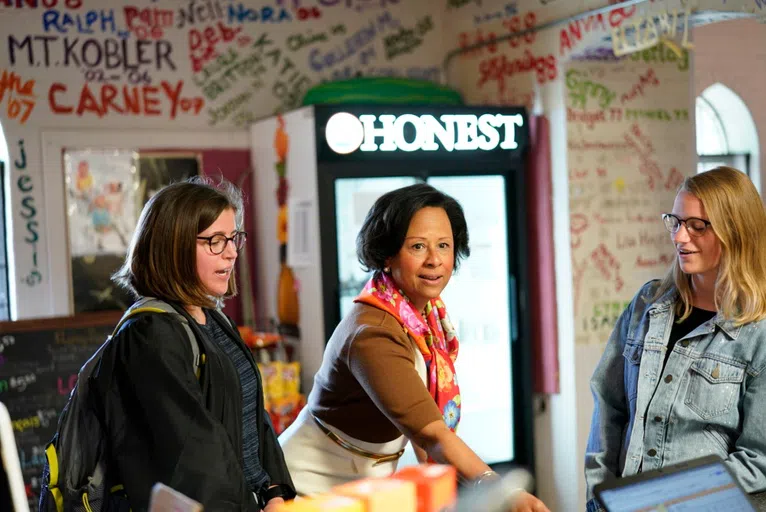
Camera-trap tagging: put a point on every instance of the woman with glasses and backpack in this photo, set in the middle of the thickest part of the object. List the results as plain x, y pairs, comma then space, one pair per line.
683, 374
196, 425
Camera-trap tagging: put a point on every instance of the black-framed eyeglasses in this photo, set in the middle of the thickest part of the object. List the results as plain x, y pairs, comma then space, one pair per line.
694, 225
218, 242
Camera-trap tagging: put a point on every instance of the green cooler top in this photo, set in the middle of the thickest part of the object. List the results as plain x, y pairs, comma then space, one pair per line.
382, 90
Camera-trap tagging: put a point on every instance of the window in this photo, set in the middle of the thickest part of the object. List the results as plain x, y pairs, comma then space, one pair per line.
726, 133
711, 135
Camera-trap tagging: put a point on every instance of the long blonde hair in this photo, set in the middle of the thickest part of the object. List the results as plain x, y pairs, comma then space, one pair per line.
738, 219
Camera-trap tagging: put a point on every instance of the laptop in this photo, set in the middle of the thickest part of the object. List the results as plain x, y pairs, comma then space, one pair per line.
13, 494
700, 485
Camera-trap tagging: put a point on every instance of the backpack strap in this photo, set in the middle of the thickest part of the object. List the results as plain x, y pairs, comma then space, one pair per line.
153, 305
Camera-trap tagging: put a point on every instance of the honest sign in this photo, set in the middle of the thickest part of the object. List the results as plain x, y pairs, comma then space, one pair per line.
346, 133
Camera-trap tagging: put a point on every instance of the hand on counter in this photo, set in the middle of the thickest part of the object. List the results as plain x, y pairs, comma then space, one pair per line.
525, 502
274, 504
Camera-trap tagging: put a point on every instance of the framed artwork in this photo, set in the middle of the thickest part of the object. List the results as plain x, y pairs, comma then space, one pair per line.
157, 169
101, 213
106, 191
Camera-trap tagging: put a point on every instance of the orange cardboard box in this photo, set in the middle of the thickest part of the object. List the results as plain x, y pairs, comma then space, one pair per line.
323, 503
436, 485
381, 494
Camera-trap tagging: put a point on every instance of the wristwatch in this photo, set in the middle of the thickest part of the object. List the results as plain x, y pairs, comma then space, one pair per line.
277, 491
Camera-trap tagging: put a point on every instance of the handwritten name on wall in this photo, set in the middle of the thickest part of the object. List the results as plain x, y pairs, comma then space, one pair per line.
27, 209
595, 24
20, 96
48, 4
509, 52
647, 31
499, 60
211, 62
103, 99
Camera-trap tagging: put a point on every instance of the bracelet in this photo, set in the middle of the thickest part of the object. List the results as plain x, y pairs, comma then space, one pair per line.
487, 475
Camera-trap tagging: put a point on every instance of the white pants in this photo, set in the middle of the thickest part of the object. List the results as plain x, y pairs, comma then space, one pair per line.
317, 463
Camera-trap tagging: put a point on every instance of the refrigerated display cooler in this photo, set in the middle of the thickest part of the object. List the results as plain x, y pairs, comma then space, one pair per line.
318, 171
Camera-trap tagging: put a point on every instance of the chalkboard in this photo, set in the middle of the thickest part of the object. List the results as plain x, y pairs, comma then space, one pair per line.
39, 361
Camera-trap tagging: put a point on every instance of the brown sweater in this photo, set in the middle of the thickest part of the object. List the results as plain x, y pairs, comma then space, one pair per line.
368, 386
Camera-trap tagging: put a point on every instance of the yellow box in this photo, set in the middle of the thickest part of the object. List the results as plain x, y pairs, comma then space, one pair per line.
291, 378
273, 385
324, 503
436, 485
381, 494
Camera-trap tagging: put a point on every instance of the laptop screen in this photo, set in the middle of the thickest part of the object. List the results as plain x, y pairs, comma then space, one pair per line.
701, 488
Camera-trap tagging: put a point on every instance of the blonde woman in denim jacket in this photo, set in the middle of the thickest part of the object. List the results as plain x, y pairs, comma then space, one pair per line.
683, 374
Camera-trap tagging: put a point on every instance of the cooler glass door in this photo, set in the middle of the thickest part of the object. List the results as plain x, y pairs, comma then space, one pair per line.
478, 302
353, 199
477, 299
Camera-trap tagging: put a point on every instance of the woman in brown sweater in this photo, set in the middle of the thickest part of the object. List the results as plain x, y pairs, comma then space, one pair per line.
388, 374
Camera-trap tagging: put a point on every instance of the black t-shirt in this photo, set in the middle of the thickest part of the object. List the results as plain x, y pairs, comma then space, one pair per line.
680, 329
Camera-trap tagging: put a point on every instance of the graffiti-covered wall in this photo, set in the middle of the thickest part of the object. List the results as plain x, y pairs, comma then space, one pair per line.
178, 65
200, 62
621, 139
629, 149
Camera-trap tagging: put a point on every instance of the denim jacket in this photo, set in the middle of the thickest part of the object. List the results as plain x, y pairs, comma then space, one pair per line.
709, 399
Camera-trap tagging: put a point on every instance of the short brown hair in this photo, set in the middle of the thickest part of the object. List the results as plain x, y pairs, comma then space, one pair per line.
385, 227
161, 260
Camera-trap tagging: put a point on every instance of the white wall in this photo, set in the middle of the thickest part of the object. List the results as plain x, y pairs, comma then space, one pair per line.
301, 175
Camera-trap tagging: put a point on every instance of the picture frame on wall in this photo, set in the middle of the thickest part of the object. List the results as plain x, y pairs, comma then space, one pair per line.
101, 213
105, 192
159, 168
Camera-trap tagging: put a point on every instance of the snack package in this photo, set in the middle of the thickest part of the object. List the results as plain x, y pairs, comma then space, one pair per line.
381, 494
273, 386
291, 378
285, 410
436, 485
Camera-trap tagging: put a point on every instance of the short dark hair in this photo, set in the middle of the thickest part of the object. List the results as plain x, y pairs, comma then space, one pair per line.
385, 227
161, 260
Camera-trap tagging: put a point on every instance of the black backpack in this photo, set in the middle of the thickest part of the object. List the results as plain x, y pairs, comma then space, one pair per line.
75, 477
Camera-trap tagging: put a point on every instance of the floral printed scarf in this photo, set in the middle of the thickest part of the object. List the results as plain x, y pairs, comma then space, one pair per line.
434, 336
